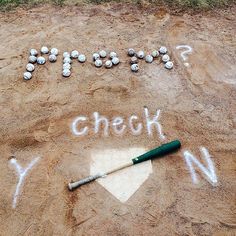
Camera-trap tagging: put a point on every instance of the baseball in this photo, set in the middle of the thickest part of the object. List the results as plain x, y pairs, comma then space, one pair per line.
27, 75
149, 59
41, 60
66, 54
67, 60
30, 67
67, 66
52, 58
115, 60
113, 54
74, 54
32, 59
66, 72
82, 58
96, 56
165, 58
134, 67
44, 50
33, 52
169, 65
103, 53
108, 64
163, 50
54, 51
131, 52
141, 54
98, 63
155, 53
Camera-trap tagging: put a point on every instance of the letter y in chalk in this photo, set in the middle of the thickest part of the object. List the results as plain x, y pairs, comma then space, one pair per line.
21, 174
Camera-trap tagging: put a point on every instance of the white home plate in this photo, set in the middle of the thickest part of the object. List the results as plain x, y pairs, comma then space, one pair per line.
124, 183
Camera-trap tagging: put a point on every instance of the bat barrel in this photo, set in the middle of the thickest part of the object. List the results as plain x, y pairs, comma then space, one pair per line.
158, 152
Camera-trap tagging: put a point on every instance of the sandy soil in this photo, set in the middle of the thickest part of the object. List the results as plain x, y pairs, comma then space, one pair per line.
197, 106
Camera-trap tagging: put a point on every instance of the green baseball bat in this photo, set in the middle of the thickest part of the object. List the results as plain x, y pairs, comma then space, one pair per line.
157, 152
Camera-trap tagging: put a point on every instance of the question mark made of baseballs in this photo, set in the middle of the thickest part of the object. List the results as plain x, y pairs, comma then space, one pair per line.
185, 52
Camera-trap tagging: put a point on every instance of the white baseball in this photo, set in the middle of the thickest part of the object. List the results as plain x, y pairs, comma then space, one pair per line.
134, 67
163, 50
131, 52
44, 50
115, 60
41, 60
67, 60
66, 54
82, 58
52, 58
96, 56
74, 54
103, 53
113, 54
140, 54
30, 67
27, 75
108, 64
149, 59
66, 73
165, 58
98, 63
33, 52
67, 66
169, 65
54, 51
32, 59
155, 53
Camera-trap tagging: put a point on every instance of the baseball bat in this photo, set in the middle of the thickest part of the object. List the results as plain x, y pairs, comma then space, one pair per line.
157, 152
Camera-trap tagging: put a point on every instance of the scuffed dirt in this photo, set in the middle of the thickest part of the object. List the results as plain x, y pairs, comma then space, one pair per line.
197, 106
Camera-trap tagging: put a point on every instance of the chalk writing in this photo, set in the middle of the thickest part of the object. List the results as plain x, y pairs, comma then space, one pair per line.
208, 171
102, 124
21, 174
188, 50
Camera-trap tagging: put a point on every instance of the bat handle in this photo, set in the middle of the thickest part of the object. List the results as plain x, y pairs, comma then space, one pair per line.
74, 185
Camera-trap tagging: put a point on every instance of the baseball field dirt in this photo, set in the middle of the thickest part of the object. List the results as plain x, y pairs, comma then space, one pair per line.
54, 130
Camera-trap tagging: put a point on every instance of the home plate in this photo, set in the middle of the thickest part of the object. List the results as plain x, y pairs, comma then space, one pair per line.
124, 183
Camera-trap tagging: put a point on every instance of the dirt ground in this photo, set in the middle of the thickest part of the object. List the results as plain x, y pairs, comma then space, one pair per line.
197, 106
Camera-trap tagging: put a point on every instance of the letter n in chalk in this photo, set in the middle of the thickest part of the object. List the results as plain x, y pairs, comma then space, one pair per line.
208, 170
